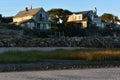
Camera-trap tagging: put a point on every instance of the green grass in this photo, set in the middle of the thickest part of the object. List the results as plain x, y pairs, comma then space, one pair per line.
85, 54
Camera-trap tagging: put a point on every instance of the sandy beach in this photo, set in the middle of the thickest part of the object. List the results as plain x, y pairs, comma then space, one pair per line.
81, 74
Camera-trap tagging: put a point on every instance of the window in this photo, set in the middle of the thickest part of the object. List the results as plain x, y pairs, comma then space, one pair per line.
22, 25
44, 26
47, 26
92, 16
38, 25
78, 17
40, 17
28, 24
41, 26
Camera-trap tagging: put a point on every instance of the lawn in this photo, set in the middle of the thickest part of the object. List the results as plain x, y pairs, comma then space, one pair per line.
84, 54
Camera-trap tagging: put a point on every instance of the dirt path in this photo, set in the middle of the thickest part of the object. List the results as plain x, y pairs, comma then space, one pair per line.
82, 74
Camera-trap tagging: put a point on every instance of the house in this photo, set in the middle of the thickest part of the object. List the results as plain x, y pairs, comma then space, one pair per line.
86, 19
32, 18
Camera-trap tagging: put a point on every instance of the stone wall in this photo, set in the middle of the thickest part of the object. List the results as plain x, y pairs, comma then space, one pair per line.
88, 42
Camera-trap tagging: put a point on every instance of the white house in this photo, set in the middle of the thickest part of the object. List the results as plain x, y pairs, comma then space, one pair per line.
32, 18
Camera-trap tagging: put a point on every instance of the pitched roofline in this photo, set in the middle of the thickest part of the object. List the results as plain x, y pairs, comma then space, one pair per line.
16, 16
31, 9
82, 12
39, 10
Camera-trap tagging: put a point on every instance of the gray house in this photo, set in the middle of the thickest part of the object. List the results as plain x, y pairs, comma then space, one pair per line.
33, 18
86, 18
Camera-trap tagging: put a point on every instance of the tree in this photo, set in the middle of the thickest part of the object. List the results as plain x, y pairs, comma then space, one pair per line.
58, 14
7, 19
110, 19
0, 18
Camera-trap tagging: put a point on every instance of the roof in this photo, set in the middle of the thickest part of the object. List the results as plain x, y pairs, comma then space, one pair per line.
28, 20
30, 12
83, 12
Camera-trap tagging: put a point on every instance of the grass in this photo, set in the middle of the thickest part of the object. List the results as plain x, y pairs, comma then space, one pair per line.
85, 54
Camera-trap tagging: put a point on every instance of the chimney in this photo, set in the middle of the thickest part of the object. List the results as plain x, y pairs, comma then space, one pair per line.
31, 7
95, 10
26, 8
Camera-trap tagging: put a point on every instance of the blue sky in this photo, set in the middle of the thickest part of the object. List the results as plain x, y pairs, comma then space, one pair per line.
11, 7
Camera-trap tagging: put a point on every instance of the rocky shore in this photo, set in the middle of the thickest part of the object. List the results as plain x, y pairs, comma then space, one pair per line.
90, 42
57, 65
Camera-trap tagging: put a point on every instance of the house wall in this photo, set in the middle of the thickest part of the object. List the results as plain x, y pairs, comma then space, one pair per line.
99, 23
75, 17
84, 24
29, 25
79, 17
71, 18
42, 22
43, 18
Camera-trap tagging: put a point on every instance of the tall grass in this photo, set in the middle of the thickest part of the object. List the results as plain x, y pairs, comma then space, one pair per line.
36, 56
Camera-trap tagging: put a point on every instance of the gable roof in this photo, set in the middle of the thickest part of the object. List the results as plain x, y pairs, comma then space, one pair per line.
83, 12
30, 12
28, 20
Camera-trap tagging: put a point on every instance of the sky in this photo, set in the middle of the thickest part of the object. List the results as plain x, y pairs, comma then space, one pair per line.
12, 7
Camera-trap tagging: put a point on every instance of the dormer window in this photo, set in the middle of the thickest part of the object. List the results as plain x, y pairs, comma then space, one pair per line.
40, 17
